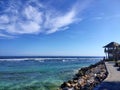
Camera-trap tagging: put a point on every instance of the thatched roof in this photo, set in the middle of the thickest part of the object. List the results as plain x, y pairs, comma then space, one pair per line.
112, 44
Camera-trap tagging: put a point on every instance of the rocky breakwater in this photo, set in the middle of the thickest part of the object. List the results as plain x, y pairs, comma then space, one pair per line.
87, 78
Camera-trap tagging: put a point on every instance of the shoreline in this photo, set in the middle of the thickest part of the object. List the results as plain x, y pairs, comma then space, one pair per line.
87, 78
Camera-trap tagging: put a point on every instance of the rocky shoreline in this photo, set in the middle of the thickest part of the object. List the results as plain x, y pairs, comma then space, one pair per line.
87, 78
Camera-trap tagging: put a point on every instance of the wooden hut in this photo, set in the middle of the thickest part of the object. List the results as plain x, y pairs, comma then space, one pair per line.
112, 51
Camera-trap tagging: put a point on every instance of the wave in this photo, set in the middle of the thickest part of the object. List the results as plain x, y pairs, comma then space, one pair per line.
48, 59
13, 59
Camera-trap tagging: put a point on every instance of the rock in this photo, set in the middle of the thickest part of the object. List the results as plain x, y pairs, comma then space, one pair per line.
87, 77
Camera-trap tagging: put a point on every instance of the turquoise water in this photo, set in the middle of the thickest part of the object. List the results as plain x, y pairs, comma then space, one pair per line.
46, 73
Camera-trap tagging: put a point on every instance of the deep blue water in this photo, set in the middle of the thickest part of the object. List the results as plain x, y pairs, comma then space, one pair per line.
39, 73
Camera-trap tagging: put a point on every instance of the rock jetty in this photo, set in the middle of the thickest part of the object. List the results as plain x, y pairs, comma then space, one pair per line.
87, 78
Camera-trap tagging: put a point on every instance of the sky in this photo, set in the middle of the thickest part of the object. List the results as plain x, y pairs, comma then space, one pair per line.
58, 27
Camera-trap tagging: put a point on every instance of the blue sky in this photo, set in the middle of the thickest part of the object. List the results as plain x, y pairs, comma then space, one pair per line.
58, 27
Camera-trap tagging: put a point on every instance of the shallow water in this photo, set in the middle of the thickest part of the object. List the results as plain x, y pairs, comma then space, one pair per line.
39, 73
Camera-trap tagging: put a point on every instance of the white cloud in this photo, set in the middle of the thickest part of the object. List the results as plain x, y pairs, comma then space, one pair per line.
16, 25
23, 28
33, 14
59, 22
97, 18
106, 17
2, 34
38, 19
6, 36
4, 19
31, 27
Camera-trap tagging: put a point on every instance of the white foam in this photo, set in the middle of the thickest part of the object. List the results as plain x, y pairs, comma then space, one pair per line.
42, 59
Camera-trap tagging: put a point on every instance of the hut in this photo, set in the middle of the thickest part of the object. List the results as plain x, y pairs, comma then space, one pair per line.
112, 51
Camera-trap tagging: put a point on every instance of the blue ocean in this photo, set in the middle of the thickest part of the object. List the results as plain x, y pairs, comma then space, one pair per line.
40, 73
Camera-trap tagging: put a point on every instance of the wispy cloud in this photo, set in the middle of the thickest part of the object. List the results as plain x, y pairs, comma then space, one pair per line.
5, 36
35, 18
57, 23
4, 19
106, 17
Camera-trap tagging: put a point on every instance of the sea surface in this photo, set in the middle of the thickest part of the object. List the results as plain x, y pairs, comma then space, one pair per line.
40, 73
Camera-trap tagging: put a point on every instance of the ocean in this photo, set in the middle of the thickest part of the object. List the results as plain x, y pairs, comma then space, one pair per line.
40, 73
